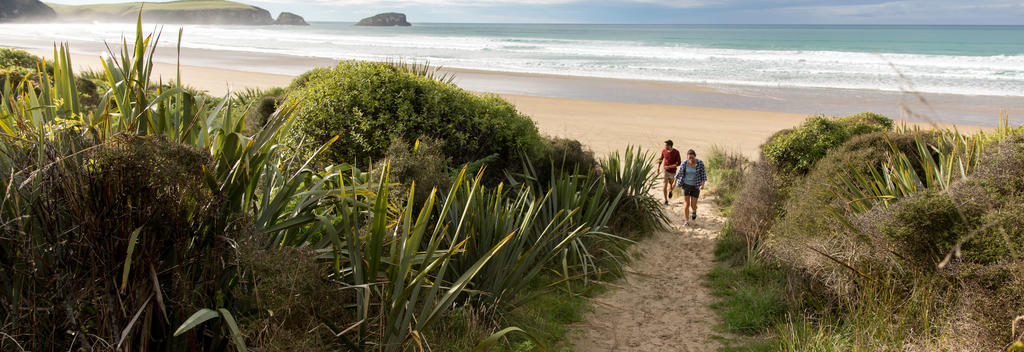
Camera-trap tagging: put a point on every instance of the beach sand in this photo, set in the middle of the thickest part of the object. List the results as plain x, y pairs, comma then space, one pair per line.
603, 126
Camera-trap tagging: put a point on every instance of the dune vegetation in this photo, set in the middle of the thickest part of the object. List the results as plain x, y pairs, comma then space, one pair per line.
141, 215
852, 235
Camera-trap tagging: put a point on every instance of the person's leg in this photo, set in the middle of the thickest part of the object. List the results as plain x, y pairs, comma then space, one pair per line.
686, 208
664, 189
693, 204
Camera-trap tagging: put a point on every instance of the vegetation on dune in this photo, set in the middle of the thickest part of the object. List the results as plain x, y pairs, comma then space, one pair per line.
155, 217
889, 240
367, 104
797, 149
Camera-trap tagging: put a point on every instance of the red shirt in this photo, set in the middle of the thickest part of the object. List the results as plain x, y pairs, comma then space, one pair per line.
671, 158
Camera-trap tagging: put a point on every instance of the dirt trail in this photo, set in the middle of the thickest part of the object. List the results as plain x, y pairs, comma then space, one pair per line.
660, 304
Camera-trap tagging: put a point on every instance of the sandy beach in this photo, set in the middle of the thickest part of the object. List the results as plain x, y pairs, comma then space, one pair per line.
603, 125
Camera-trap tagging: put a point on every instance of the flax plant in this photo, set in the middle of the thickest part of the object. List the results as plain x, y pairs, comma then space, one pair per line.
951, 157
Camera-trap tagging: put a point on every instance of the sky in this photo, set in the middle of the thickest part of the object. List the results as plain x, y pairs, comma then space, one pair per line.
967, 12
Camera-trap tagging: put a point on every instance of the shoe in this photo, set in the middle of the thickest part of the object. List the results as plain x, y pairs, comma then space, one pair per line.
693, 216
670, 194
666, 202
685, 224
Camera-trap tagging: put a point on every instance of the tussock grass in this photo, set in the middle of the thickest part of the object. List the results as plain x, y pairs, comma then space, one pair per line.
156, 217
884, 242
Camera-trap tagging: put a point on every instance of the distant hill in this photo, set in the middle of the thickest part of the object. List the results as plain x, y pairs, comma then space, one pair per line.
25, 11
177, 12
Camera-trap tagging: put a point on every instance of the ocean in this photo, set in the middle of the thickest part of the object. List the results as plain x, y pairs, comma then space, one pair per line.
964, 60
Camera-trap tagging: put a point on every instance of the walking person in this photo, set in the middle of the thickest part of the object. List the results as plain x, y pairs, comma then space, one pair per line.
670, 160
691, 177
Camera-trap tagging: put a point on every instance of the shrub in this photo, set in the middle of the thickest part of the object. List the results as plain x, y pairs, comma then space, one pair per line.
996, 189
10, 57
301, 80
726, 171
132, 215
561, 156
285, 290
14, 75
814, 216
366, 104
999, 235
926, 227
863, 121
569, 154
990, 297
759, 202
424, 162
262, 109
17, 64
796, 149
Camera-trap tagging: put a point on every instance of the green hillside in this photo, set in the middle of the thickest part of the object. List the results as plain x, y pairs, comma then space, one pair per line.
185, 11
128, 8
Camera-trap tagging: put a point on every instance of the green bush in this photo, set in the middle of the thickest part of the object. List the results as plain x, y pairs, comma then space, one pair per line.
424, 162
807, 214
861, 122
561, 156
264, 107
284, 290
14, 75
301, 80
796, 149
999, 236
142, 198
996, 189
10, 57
17, 64
367, 104
926, 227
809, 221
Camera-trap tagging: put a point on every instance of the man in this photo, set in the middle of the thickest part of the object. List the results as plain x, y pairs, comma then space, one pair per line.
691, 177
670, 160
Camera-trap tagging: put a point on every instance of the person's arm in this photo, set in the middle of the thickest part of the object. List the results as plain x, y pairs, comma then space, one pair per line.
702, 175
661, 160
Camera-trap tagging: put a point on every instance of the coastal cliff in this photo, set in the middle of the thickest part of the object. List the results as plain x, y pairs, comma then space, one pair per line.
25, 11
388, 19
175, 12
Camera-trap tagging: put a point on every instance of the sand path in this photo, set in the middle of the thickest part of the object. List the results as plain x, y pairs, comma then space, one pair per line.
660, 304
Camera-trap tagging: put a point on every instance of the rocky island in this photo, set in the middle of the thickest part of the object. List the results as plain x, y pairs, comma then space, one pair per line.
175, 12
25, 11
388, 19
290, 19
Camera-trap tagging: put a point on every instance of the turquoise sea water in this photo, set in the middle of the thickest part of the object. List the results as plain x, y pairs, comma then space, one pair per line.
966, 60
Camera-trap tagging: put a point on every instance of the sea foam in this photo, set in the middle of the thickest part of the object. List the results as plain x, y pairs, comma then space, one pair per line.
546, 51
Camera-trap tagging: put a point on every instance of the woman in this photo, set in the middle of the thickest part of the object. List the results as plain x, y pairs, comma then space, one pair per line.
691, 177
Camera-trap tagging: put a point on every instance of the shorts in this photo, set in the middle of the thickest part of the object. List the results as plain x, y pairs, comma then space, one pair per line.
691, 191
669, 176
